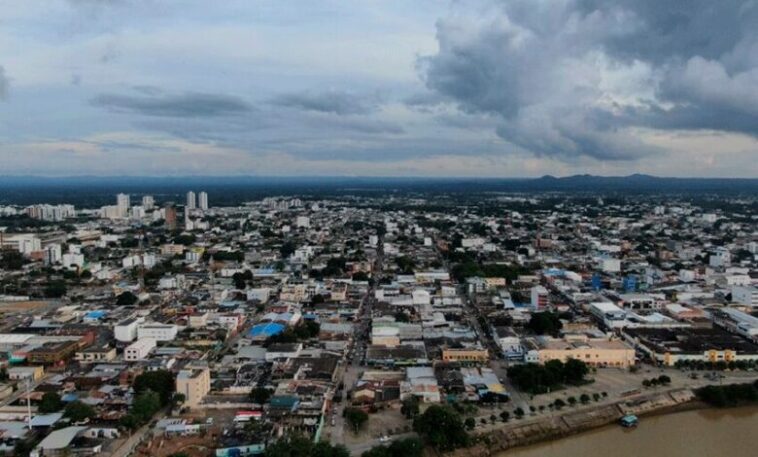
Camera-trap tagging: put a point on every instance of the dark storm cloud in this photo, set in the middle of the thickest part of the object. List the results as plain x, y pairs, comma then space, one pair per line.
333, 102
574, 78
190, 105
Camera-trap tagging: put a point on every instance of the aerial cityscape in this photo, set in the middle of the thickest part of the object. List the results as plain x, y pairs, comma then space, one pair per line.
485, 228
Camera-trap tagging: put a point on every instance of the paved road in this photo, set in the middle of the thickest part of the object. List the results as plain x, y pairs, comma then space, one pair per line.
128, 446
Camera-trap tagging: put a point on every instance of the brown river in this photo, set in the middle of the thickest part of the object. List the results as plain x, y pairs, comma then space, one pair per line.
702, 433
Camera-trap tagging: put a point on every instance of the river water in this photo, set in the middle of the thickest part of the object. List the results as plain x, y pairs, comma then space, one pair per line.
700, 433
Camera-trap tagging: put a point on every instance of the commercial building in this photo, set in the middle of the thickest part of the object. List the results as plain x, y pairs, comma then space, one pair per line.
123, 204
669, 346
203, 201
465, 355
194, 383
539, 297
191, 200
158, 332
148, 202
598, 352
139, 350
745, 295
169, 215
126, 331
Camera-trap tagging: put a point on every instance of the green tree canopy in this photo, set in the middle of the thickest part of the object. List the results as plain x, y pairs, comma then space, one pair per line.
442, 428
159, 381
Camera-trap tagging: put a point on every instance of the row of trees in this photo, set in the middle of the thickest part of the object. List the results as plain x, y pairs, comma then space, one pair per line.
661, 380
407, 447
538, 379
296, 445
729, 395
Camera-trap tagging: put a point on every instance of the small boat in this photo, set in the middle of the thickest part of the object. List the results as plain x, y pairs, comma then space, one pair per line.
628, 421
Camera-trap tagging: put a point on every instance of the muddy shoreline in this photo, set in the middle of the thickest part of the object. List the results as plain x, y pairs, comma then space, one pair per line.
517, 434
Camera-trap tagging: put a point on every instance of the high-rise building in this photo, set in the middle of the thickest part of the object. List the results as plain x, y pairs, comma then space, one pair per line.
148, 202
123, 203
191, 202
170, 217
203, 201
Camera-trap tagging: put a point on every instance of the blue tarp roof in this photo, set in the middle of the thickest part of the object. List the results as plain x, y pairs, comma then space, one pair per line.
266, 330
95, 314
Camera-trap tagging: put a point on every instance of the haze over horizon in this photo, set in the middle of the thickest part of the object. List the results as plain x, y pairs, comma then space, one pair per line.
518, 88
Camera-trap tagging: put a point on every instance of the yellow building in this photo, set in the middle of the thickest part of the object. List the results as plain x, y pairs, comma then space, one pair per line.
598, 352
465, 355
194, 384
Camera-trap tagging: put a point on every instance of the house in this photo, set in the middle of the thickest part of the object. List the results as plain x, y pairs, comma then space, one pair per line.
33, 373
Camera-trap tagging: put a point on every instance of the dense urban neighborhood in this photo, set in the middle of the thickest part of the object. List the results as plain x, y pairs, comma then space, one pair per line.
364, 324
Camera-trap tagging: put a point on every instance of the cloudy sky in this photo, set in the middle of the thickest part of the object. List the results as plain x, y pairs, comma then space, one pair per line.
505, 88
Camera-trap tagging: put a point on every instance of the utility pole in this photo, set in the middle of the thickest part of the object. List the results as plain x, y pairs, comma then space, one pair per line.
29, 403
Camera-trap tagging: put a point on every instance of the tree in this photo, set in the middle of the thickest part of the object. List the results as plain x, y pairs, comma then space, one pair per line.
11, 260
260, 395
78, 411
407, 447
574, 371
518, 412
287, 249
239, 280
55, 289
584, 398
505, 416
126, 299
410, 408
470, 423
442, 428
356, 417
296, 445
405, 264
145, 405
401, 316
50, 403
545, 323
159, 381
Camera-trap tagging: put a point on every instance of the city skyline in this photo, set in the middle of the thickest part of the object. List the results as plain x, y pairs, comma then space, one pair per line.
431, 89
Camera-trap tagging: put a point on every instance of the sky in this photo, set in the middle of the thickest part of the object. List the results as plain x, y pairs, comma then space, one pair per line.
476, 88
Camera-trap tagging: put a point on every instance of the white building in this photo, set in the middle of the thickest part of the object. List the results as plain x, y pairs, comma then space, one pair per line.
610, 265
611, 315
539, 297
303, 222
745, 295
123, 203
138, 212
203, 201
148, 202
139, 350
53, 254
126, 331
158, 332
70, 260
191, 201
720, 258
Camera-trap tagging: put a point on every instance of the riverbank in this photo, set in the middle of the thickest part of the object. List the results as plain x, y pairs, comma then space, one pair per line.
563, 424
